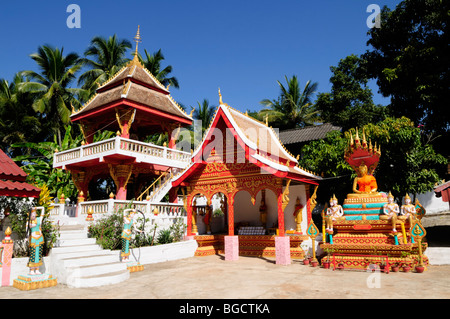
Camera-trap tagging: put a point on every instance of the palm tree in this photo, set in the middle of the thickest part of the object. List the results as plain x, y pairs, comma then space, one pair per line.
294, 107
152, 63
204, 113
53, 97
18, 121
108, 56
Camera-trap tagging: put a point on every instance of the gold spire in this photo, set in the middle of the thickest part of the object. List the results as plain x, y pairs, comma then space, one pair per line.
137, 39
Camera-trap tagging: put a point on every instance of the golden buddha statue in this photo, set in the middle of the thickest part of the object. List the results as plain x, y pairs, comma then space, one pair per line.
364, 183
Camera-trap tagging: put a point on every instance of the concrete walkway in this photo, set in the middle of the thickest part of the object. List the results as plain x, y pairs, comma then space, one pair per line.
253, 278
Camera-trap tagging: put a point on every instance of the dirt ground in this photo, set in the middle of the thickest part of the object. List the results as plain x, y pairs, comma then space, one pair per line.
253, 278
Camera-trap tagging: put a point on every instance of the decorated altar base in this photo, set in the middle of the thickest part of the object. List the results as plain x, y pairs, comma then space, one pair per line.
249, 245
133, 266
359, 243
30, 282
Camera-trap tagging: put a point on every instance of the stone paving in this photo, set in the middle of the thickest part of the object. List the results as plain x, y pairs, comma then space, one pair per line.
212, 277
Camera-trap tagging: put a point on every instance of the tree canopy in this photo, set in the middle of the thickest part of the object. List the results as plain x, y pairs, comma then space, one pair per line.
409, 57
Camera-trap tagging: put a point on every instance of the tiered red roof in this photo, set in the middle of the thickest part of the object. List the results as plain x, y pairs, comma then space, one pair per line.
12, 180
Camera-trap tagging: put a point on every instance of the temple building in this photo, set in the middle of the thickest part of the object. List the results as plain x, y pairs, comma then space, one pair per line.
134, 104
265, 192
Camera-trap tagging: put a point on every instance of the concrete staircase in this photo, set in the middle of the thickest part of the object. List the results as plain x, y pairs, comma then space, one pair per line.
78, 261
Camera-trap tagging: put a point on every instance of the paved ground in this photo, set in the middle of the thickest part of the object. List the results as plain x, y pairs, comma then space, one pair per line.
253, 278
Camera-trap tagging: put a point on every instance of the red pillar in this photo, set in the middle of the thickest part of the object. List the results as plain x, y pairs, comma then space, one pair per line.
121, 174
231, 215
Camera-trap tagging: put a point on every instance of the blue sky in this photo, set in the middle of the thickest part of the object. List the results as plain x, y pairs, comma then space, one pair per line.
243, 47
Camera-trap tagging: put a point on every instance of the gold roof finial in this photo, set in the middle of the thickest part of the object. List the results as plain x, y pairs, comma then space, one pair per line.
220, 97
137, 39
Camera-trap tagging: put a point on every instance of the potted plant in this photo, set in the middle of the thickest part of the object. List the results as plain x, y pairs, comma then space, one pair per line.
395, 267
419, 269
326, 263
341, 264
307, 259
406, 265
306, 255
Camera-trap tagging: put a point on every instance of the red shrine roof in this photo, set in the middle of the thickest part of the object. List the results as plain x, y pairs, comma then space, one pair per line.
12, 179
264, 148
443, 191
134, 83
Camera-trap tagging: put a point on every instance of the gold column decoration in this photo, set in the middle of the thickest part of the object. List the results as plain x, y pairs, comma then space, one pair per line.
194, 217
285, 196
125, 116
120, 171
79, 179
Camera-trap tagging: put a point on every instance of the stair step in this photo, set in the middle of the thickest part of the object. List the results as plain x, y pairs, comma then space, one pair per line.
96, 270
99, 280
89, 260
75, 242
72, 228
73, 235
69, 249
83, 253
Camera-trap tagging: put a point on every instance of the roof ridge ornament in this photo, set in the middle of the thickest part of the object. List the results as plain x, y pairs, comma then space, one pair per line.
220, 97
137, 38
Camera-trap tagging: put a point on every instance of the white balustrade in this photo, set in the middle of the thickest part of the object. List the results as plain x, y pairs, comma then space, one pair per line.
121, 146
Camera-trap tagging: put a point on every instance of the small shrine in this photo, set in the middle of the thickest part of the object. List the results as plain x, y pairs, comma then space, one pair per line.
266, 194
370, 228
134, 104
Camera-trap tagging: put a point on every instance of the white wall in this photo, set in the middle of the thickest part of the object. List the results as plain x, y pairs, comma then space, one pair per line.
431, 203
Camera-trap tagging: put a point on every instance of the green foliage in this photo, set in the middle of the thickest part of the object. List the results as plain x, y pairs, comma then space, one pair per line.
152, 62
107, 57
53, 97
217, 213
165, 237
409, 58
349, 104
40, 169
204, 113
326, 157
294, 107
18, 121
178, 230
108, 230
19, 209
407, 165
